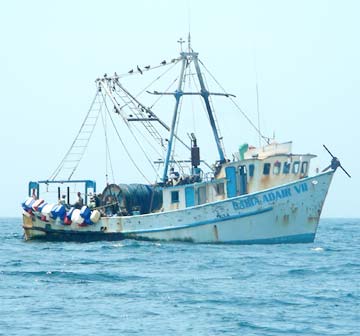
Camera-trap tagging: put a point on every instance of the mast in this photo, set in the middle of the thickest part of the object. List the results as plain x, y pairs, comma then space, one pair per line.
177, 94
205, 94
186, 58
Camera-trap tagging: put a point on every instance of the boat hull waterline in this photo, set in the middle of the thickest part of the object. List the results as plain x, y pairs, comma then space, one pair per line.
285, 214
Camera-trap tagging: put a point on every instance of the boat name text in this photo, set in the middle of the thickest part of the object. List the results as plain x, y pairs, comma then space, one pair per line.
270, 196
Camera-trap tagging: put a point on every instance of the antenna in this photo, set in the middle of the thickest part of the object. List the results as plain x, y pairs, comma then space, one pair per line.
189, 28
181, 41
258, 110
257, 100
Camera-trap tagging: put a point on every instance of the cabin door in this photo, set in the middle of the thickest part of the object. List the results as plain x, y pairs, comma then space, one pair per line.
242, 180
189, 196
231, 181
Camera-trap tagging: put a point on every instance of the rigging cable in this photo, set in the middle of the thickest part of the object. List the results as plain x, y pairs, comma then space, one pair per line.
138, 130
124, 146
156, 79
167, 89
174, 145
143, 150
139, 110
181, 168
204, 107
189, 75
68, 153
237, 106
133, 100
151, 83
107, 149
147, 127
146, 139
174, 60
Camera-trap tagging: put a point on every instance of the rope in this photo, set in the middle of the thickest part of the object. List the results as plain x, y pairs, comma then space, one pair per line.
146, 139
107, 149
124, 146
156, 79
237, 106
142, 149
144, 152
175, 142
61, 164
175, 60
167, 89
189, 75
138, 110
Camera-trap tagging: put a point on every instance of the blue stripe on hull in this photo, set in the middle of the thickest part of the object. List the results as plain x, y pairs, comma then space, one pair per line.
294, 239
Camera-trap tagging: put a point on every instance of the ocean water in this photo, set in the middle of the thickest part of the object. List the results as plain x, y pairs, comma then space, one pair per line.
147, 288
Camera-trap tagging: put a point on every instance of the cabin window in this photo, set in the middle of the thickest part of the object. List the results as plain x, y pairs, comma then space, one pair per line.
175, 196
251, 170
277, 168
286, 167
267, 167
202, 195
296, 167
304, 167
220, 189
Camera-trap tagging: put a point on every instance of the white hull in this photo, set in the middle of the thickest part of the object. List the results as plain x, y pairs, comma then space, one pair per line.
286, 214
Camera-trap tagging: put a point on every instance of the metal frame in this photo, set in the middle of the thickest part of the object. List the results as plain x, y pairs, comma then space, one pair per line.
36, 185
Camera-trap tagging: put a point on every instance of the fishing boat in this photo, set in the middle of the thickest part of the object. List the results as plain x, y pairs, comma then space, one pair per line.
261, 195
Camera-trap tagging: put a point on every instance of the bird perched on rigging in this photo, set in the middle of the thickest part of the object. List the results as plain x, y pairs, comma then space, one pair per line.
139, 70
131, 71
163, 62
147, 67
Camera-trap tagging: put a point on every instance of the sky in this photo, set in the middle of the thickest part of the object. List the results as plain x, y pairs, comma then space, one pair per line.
303, 55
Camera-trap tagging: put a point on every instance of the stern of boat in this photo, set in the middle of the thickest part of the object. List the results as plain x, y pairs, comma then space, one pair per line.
28, 226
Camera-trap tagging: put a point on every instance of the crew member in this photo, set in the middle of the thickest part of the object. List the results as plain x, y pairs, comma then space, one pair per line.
174, 176
62, 200
79, 202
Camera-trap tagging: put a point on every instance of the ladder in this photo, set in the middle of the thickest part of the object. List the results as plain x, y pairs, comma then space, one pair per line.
72, 158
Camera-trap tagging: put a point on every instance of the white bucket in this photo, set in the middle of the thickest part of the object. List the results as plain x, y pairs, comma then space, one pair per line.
47, 209
37, 203
29, 202
95, 216
76, 218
